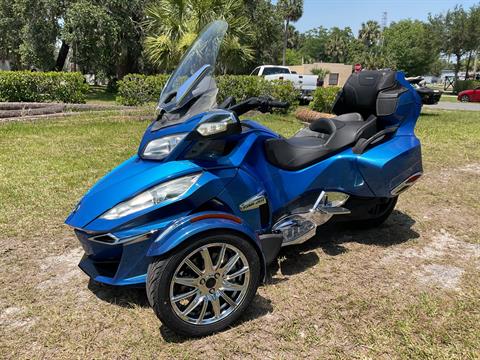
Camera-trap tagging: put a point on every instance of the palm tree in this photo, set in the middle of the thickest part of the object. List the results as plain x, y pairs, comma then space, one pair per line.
337, 44
291, 10
172, 26
370, 33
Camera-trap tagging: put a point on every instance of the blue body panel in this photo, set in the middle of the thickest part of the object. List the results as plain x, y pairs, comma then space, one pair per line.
227, 181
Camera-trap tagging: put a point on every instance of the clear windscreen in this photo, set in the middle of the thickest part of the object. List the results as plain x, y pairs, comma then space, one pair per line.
193, 77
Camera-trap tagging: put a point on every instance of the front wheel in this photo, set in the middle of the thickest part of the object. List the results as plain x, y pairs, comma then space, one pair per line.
206, 286
465, 98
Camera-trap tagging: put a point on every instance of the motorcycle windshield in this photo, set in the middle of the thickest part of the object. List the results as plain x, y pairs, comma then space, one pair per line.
191, 89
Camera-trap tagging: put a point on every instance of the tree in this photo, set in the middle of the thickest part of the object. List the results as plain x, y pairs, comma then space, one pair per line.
293, 57
451, 31
409, 44
172, 26
38, 35
291, 10
473, 46
315, 43
266, 25
10, 32
93, 34
338, 44
370, 33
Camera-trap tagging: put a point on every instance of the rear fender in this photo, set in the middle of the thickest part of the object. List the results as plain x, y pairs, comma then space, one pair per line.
185, 229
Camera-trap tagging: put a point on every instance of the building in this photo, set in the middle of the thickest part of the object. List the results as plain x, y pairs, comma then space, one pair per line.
338, 75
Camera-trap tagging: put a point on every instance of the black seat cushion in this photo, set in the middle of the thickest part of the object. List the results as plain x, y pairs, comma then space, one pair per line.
301, 151
360, 92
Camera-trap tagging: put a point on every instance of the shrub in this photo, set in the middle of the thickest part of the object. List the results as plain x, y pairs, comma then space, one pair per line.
461, 85
324, 98
139, 89
27, 86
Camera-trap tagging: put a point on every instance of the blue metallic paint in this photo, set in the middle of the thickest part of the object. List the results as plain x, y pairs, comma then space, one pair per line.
230, 180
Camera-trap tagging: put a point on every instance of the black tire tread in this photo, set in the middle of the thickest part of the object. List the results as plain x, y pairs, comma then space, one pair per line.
157, 278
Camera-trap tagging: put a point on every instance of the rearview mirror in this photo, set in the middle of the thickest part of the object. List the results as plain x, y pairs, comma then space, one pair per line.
221, 123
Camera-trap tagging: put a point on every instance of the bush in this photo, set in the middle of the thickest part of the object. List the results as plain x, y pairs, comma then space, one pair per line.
139, 89
461, 85
27, 86
324, 98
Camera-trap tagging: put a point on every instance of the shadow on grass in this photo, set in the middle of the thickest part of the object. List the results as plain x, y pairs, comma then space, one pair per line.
294, 260
429, 113
331, 239
127, 297
259, 307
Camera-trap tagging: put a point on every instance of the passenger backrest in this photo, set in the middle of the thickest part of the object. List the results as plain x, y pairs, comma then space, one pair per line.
361, 91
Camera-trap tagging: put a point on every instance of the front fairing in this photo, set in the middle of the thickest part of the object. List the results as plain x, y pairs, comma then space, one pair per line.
132, 178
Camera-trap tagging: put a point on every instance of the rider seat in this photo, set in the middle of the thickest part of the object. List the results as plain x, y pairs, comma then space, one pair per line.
356, 109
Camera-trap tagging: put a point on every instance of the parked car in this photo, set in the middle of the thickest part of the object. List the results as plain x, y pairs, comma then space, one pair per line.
429, 96
306, 84
469, 95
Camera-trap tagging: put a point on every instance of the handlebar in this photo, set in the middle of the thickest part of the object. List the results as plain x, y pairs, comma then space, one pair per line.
261, 103
279, 104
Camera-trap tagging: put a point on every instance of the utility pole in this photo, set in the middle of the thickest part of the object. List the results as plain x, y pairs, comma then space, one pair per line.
384, 20
383, 25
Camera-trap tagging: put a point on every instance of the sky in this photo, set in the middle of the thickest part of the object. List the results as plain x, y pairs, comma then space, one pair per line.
343, 13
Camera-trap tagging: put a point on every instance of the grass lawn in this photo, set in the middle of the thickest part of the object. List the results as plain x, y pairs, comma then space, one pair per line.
409, 289
99, 95
449, 98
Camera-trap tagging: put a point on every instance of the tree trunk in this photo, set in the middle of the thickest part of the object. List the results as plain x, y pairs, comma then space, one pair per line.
62, 56
285, 43
475, 64
468, 64
457, 65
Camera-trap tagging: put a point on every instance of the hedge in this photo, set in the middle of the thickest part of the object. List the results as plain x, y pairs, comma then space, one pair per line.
323, 99
461, 85
28, 86
137, 89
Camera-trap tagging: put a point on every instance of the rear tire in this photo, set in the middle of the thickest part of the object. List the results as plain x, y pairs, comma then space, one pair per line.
380, 214
211, 307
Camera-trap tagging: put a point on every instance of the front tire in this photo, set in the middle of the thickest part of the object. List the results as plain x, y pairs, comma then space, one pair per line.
204, 287
465, 98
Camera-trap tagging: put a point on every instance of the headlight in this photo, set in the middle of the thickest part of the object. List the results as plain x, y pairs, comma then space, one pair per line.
167, 191
159, 149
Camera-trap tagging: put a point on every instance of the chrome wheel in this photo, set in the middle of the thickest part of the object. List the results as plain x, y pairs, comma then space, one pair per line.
465, 98
209, 284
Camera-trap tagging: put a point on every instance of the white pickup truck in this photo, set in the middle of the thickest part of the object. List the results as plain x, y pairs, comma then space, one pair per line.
306, 84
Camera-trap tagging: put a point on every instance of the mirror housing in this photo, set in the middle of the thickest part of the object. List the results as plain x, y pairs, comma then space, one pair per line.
218, 124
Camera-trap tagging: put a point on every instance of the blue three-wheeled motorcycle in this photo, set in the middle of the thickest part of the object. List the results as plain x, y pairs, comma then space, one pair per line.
209, 200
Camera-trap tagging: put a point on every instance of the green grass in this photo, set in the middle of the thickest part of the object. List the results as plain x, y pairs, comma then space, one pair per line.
448, 98
99, 95
320, 302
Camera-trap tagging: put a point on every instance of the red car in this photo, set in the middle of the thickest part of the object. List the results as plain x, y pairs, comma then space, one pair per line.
469, 95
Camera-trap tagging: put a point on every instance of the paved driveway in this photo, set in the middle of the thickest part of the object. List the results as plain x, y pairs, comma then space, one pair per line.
443, 105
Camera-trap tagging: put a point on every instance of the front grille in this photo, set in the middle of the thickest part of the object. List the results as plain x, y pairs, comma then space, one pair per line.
106, 268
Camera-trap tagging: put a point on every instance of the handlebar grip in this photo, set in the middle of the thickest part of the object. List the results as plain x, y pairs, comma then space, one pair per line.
279, 104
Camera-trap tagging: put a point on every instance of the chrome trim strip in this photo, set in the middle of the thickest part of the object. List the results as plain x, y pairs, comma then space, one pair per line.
404, 185
318, 215
254, 202
124, 241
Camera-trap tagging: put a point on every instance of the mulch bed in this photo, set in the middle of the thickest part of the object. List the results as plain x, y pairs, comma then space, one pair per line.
308, 116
